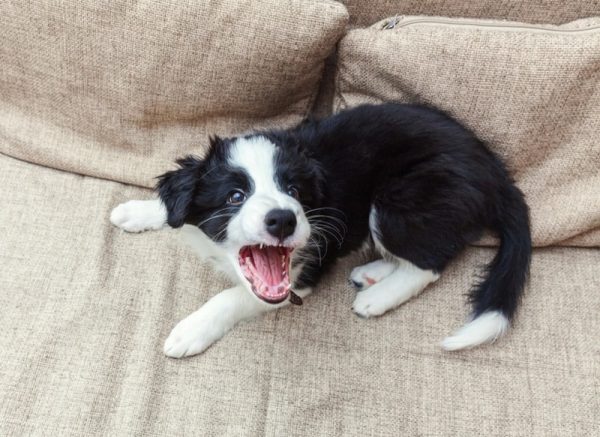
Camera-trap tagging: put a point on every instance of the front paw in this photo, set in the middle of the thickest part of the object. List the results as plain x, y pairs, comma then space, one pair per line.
193, 335
368, 304
139, 215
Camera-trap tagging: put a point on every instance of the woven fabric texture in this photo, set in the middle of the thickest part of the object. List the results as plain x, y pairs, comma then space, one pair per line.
532, 93
86, 308
116, 90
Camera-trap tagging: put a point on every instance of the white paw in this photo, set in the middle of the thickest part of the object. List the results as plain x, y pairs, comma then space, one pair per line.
357, 278
362, 277
369, 304
139, 215
193, 335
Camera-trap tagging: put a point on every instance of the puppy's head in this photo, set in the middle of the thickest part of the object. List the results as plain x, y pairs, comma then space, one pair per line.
249, 195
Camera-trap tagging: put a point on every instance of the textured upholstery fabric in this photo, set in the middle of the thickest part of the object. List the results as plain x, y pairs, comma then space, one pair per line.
533, 11
533, 93
117, 89
120, 89
86, 307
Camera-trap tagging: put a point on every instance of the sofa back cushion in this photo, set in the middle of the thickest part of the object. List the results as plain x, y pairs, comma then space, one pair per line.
531, 92
119, 89
363, 13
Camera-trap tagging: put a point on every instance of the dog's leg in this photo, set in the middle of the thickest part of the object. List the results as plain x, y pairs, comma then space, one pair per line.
139, 215
403, 283
222, 312
362, 277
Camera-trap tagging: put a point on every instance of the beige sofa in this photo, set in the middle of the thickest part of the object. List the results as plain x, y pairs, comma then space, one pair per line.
96, 99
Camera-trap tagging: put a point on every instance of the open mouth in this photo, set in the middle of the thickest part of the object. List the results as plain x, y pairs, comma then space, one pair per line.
267, 269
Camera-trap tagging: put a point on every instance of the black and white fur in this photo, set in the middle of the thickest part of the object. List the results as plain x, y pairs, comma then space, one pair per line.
407, 180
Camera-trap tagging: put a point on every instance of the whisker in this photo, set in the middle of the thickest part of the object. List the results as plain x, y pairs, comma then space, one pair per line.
321, 237
338, 238
325, 207
319, 250
212, 217
221, 232
341, 233
340, 230
327, 217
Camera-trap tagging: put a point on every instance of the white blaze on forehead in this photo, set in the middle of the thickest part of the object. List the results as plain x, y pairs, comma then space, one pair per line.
256, 155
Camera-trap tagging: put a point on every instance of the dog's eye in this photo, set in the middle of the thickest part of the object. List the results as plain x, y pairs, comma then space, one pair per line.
236, 197
293, 191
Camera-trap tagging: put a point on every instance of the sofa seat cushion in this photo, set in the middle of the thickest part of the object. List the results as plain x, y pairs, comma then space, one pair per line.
86, 308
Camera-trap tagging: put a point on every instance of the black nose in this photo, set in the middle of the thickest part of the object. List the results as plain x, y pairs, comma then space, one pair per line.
280, 223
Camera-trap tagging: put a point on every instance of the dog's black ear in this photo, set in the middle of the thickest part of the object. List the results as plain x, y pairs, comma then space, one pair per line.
214, 141
216, 148
176, 189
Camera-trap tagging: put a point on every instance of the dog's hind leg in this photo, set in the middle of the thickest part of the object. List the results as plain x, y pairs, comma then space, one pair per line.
402, 278
139, 215
405, 282
362, 277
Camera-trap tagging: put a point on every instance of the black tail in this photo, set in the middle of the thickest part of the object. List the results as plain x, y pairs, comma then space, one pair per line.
506, 275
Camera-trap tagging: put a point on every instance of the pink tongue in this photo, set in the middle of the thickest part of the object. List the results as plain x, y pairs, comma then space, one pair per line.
268, 264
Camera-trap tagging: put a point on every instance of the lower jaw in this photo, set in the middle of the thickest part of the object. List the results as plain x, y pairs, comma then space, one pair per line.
272, 301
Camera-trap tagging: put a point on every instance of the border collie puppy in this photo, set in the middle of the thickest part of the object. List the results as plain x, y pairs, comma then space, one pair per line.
275, 209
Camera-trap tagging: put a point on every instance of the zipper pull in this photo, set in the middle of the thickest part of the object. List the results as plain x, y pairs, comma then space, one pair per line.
392, 22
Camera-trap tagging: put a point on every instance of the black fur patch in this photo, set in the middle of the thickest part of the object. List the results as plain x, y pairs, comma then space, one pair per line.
197, 192
435, 188
434, 185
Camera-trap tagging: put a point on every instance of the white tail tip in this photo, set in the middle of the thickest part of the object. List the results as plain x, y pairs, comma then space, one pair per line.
484, 329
